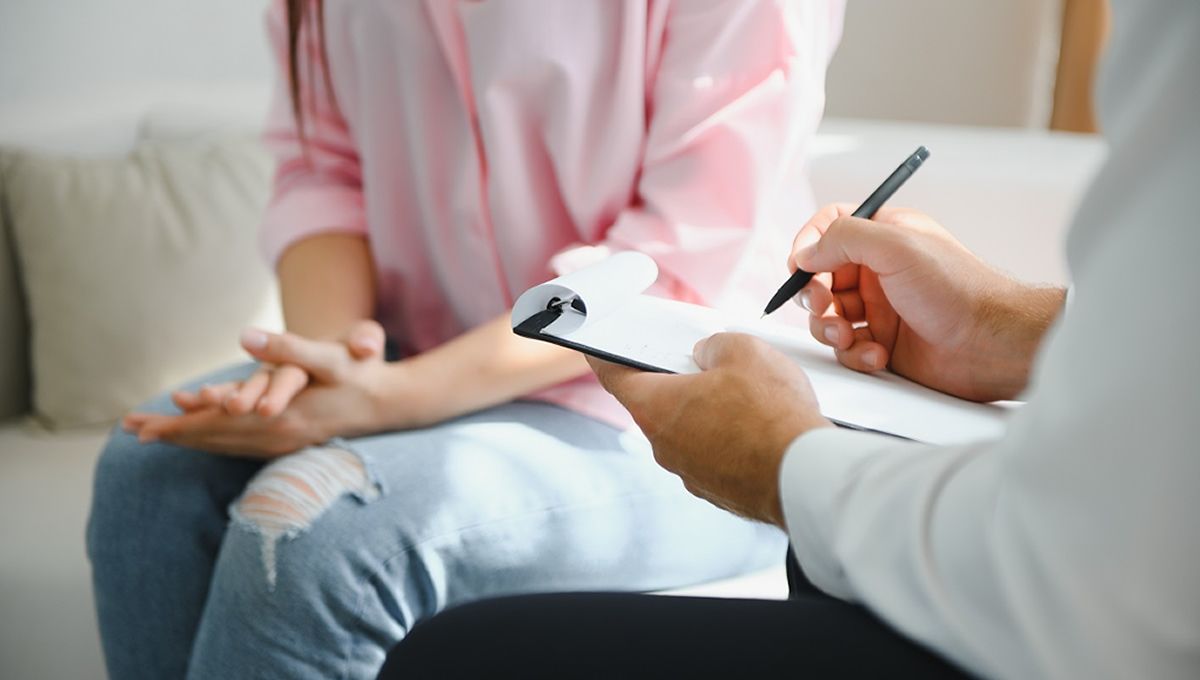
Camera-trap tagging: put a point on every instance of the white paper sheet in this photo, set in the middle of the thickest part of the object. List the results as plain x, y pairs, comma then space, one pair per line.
620, 320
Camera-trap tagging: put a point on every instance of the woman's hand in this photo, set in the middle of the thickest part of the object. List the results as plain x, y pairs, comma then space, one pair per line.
902, 292
345, 396
272, 387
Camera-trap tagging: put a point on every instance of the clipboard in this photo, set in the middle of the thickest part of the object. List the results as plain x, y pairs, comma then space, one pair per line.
532, 328
602, 311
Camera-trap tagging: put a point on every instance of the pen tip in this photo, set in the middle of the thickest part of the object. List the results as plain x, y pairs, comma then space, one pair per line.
763, 316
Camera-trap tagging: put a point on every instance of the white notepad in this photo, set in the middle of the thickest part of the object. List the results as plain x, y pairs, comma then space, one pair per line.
601, 310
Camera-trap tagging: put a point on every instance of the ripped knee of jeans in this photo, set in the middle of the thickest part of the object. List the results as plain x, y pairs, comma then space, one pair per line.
287, 496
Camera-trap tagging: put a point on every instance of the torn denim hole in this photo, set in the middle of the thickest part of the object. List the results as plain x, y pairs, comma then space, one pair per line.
288, 495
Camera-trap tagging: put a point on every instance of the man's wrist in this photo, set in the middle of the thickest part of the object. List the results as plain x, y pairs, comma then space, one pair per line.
1015, 317
773, 510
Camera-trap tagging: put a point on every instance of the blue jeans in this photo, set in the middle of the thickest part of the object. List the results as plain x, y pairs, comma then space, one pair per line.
194, 577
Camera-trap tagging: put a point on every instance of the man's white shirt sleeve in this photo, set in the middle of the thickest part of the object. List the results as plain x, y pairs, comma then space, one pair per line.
1070, 547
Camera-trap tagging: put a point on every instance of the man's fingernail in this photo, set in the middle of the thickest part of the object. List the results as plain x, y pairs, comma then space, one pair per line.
807, 238
254, 339
803, 300
871, 358
802, 255
831, 334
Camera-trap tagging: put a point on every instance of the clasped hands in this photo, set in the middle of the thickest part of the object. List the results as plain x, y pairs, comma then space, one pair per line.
304, 392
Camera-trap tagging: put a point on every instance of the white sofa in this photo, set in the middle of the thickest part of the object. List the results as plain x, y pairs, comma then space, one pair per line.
1007, 193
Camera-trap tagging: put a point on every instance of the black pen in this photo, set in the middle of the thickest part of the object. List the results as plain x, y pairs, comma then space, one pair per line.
867, 210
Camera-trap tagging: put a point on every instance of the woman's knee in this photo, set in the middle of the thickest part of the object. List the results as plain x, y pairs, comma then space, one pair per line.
281, 514
123, 482
123, 461
133, 481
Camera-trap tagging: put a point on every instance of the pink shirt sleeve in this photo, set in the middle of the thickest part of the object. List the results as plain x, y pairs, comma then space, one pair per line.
318, 184
738, 88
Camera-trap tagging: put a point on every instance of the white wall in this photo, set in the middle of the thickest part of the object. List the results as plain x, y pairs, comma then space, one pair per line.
977, 62
78, 75
984, 62
52, 49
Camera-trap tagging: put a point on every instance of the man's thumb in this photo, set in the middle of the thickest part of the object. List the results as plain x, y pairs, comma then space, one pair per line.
724, 349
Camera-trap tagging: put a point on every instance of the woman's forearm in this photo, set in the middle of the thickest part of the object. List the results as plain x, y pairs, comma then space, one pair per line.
326, 283
483, 367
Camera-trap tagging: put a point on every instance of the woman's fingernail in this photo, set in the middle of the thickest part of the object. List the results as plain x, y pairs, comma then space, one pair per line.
254, 339
831, 334
871, 358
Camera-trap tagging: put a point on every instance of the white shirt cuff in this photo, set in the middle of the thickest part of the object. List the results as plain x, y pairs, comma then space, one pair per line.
817, 470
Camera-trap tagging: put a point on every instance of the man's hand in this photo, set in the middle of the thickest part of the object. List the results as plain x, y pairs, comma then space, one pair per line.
343, 395
723, 431
903, 293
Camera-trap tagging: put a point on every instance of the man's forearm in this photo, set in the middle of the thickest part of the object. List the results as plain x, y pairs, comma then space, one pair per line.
1018, 318
326, 283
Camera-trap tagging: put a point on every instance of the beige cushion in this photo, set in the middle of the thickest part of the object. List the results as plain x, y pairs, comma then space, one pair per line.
14, 354
139, 271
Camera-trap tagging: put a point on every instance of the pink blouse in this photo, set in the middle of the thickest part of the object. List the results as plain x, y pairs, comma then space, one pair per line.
479, 145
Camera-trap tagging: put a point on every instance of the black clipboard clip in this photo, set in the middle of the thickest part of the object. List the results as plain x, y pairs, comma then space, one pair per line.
533, 326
